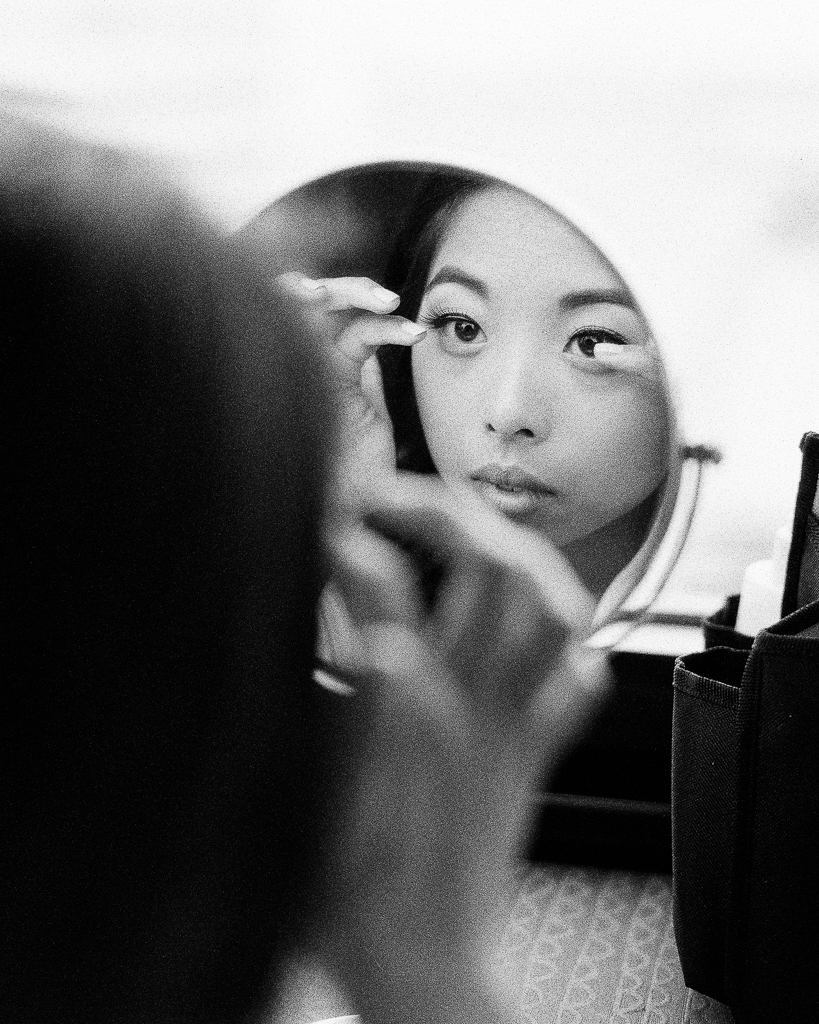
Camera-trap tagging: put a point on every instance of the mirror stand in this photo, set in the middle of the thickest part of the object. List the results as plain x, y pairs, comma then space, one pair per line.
637, 609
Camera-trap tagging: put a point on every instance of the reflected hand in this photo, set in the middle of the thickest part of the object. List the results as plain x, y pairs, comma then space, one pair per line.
464, 706
353, 316
643, 361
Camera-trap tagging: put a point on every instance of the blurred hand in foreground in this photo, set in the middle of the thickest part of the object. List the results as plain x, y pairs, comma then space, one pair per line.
465, 705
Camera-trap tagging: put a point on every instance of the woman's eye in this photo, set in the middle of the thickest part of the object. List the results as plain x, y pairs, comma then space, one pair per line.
585, 342
457, 332
465, 331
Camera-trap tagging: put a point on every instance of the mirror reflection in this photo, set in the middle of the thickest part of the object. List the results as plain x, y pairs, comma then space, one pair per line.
507, 354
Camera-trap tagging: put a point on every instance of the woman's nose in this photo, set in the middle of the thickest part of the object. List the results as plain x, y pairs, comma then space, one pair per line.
519, 408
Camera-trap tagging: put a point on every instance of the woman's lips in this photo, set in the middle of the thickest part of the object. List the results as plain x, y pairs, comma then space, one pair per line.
511, 478
511, 489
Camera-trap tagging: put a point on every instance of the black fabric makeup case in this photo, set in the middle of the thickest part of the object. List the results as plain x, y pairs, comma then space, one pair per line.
745, 796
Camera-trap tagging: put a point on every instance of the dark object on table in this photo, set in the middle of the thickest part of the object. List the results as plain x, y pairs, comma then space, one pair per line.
745, 800
609, 805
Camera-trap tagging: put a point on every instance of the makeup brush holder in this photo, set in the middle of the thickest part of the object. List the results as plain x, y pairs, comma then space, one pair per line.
745, 796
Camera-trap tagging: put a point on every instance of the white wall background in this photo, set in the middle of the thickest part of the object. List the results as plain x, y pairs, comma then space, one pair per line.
688, 132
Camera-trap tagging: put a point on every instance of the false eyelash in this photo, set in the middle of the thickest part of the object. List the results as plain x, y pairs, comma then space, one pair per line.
601, 330
437, 316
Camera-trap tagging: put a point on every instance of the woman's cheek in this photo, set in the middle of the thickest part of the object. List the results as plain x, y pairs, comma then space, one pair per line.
446, 397
443, 427
643, 427
625, 452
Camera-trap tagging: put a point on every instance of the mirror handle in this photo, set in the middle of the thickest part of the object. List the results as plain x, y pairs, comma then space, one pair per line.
698, 456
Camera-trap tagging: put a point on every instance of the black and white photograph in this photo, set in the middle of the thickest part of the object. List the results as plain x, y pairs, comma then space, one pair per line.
411, 602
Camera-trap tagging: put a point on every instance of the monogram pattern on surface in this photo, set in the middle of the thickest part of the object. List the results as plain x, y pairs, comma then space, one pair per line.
587, 946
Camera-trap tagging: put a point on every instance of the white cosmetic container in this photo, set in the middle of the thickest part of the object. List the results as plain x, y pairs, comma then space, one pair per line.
760, 600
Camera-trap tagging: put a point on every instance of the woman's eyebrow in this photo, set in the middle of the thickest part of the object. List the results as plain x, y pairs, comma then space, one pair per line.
595, 296
452, 275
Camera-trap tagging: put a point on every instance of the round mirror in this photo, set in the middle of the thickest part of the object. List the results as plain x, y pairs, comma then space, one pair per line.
538, 381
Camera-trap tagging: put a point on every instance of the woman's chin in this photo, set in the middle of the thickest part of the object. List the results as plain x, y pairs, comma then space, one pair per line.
602, 551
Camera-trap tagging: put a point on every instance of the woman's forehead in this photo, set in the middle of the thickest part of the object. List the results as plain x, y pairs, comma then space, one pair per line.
503, 236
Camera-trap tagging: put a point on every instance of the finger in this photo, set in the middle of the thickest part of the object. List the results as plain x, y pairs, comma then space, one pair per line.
499, 628
531, 553
301, 286
523, 639
414, 682
367, 332
363, 335
378, 580
357, 293
372, 387
309, 295
500, 637
461, 530
640, 360
420, 511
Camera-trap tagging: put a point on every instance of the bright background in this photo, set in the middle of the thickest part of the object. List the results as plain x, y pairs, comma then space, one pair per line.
689, 132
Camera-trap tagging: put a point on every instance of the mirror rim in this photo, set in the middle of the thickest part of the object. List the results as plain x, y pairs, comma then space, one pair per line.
629, 578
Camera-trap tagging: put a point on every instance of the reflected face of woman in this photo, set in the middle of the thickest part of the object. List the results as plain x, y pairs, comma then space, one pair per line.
514, 397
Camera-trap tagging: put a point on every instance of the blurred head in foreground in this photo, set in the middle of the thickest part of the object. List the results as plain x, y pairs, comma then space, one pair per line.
160, 579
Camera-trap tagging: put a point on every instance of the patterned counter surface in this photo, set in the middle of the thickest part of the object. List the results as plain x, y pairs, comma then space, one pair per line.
578, 945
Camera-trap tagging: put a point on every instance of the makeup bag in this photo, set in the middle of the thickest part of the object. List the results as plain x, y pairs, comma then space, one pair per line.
745, 796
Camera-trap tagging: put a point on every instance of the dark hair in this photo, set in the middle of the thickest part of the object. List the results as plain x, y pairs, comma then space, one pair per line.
437, 202
161, 576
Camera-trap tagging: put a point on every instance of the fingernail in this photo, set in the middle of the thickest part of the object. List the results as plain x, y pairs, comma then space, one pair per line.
385, 294
311, 285
416, 330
